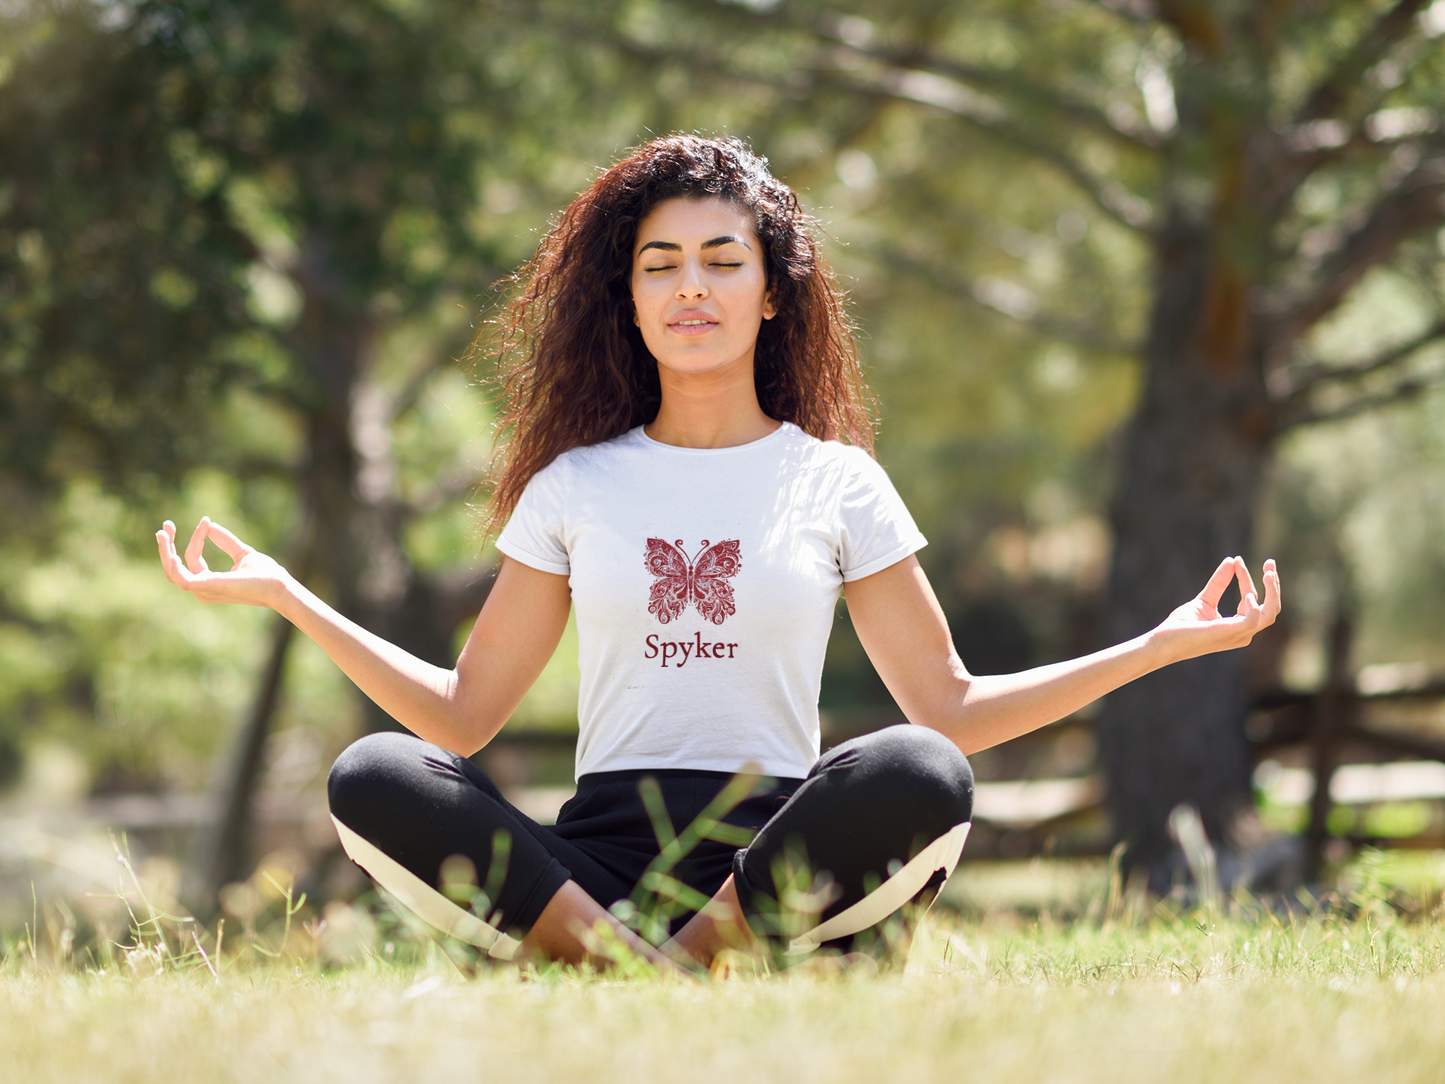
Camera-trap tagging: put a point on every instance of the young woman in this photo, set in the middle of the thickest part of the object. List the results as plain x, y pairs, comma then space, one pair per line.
680, 378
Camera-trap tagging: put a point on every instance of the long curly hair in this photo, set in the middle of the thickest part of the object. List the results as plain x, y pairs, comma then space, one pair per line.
572, 366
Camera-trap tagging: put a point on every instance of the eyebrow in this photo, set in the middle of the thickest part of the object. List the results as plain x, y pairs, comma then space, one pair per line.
716, 242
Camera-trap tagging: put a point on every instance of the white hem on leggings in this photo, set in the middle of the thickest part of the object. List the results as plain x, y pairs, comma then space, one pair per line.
424, 900
435, 909
941, 854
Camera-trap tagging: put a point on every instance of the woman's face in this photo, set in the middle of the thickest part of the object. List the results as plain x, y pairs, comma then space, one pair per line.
699, 286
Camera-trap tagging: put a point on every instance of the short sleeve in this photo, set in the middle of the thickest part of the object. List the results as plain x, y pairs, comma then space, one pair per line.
877, 530
535, 534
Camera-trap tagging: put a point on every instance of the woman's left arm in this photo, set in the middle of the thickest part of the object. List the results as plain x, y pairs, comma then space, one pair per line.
902, 627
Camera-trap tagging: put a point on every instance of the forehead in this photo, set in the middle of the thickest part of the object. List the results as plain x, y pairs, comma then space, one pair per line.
689, 222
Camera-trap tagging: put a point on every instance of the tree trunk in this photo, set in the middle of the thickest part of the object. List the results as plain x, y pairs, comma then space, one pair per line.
350, 485
361, 555
220, 850
1333, 710
1187, 486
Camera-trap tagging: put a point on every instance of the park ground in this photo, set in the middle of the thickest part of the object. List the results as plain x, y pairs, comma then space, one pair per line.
1041, 972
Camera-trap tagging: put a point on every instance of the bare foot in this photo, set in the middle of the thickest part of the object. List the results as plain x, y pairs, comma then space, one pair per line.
718, 928
573, 928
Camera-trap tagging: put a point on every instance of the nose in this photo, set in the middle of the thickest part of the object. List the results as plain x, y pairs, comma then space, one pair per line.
691, 284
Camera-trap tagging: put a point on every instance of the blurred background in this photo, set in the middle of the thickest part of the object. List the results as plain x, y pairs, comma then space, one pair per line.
1137, 285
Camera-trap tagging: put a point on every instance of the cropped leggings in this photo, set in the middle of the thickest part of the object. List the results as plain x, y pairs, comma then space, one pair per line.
878, 822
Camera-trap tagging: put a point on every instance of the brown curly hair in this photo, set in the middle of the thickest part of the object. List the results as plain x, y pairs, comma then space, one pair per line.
573, 369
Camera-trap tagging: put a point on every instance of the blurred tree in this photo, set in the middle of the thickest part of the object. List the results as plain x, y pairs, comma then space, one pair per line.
207, 197
1268, 159
205, 204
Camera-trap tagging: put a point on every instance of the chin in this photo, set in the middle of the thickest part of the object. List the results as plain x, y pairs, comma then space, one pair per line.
697, 364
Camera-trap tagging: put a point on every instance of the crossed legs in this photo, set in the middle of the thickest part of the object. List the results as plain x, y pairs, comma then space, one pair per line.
878, 821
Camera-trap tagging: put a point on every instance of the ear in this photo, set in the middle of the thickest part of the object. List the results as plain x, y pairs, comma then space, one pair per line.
769, 309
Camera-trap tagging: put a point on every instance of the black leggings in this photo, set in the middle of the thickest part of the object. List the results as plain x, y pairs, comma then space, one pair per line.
825, 854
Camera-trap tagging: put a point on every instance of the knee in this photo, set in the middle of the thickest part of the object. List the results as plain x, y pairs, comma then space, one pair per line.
924, 770
365, 771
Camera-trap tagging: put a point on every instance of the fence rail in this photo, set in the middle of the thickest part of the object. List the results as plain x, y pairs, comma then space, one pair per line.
1330, 748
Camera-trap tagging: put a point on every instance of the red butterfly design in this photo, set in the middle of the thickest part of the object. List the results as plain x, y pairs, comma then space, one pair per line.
702, 581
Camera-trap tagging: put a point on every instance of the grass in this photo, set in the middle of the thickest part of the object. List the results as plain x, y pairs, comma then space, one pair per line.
1090, 986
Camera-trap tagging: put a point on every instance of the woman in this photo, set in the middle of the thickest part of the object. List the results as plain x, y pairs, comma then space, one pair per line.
680, 373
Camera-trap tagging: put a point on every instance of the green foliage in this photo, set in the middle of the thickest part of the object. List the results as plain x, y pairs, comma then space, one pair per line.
1356, 510
100, 654
227, 231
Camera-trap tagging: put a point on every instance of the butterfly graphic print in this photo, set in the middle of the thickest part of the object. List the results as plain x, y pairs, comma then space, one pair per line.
702, 581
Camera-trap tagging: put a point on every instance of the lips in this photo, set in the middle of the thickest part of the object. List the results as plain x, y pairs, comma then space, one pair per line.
692, 322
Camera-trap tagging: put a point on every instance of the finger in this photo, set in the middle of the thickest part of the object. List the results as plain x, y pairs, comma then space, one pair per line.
1214, 589
1249, 610
166, 542
232, 546
1246, 581
1272, 600
171, 561
194, 561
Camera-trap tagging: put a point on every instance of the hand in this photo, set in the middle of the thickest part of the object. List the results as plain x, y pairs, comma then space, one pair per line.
1198, 628
254, 578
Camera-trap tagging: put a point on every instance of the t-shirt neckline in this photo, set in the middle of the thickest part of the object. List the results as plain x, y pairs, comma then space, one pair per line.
641, 433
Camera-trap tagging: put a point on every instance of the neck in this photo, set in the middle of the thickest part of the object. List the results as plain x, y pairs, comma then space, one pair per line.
710, 410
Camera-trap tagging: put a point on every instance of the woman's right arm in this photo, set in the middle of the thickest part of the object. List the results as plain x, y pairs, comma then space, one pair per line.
460, 709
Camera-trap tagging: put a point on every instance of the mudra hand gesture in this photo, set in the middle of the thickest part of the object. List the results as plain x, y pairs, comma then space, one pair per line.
1198, 628
253, 580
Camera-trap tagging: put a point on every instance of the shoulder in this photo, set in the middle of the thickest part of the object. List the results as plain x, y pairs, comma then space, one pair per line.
846, 471
853, 466
591, 459
807, 448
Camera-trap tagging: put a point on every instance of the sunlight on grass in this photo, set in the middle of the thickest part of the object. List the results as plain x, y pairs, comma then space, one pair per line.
1180, 1000
1090, 986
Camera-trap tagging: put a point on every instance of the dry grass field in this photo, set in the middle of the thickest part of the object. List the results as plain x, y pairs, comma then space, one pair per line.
1090, 986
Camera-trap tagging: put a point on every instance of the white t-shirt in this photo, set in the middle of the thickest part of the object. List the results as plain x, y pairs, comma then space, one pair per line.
704, 582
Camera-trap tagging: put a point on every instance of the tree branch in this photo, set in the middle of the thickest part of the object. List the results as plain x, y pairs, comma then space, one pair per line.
1008, 82
1414, 204
1331, 95
1404, 390
1357, 144
950, 95
839, 29
1317, 373
928, 88
995, 296
1314, 144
